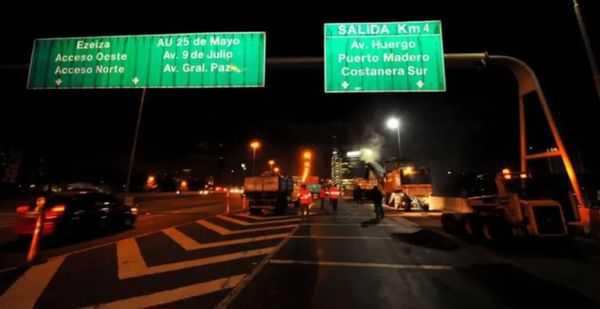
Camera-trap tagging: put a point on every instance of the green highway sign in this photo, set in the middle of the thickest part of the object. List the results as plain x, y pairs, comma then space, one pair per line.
384, 57
229, 59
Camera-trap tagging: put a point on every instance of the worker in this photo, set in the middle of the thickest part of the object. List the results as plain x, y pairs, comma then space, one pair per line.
305, 201
376, 196
322, 196
334, 194
358, 195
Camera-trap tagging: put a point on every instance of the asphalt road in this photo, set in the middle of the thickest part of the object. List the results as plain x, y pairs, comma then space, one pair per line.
328, 260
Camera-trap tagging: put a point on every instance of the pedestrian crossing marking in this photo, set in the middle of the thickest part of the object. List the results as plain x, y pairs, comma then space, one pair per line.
190, 244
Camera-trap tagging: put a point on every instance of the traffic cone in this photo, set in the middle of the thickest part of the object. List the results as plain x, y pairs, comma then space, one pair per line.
228, 204
36, 239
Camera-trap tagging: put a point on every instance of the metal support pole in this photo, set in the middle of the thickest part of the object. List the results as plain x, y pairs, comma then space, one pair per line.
588, 47
399, 145
135, 138
253, 161
522, 133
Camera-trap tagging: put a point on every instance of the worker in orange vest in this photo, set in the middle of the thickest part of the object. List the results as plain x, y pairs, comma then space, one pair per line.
322, 196
334, 194
305, 200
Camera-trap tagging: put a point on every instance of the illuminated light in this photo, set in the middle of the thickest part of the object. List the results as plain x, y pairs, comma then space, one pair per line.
276, 170
22, 208
306, 164
151, 178
55, 211
393, 123
408, 171
134, 210
507, 176
271, 162
254, 145
353, 154
58, 208
523, 175
307, 155
505, 171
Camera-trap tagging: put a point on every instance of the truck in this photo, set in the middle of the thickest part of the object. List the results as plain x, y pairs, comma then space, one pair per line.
268, 192
506, 205
407, 187
404, 187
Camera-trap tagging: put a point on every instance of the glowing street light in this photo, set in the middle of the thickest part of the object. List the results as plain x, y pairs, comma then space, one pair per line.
271, 162
394, 123
254, 145
307, 155
276, 170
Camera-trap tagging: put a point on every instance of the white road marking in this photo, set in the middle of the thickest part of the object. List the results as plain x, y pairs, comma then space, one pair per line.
264, 218
349, 224
131, 264
339, 237
27, 289
244, 223
169, 296
224, 231
190, 244
361, 264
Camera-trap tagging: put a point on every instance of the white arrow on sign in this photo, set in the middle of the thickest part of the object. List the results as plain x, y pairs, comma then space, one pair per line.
58, 82
345, 84
420, 84
135, 80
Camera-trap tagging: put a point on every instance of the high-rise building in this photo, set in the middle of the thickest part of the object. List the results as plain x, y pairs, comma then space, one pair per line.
346, 166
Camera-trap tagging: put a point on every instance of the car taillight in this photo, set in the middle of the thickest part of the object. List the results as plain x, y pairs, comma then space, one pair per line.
55, 211
22, 209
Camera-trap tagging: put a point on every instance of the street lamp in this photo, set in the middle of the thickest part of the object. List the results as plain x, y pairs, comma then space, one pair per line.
394, 123
276, 169
271, 162
307, 155
254, 145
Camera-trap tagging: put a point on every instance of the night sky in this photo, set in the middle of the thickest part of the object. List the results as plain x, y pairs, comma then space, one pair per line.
472, 126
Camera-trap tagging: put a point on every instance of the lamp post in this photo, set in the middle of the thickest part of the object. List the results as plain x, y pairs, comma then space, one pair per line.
394, 123
254, 145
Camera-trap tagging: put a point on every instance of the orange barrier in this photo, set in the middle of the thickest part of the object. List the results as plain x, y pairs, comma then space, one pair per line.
228, 204
37, 234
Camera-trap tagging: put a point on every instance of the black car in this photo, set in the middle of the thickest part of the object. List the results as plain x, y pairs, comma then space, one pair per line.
73, 212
